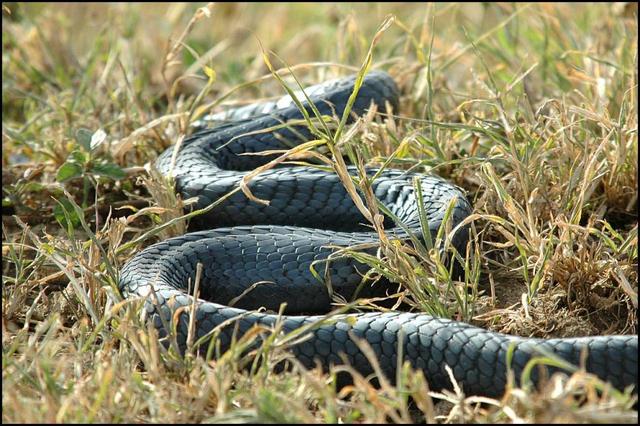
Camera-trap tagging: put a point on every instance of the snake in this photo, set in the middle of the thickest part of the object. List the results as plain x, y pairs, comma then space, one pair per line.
254, 257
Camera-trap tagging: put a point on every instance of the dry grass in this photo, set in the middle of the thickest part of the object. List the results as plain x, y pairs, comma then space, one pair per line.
531, 108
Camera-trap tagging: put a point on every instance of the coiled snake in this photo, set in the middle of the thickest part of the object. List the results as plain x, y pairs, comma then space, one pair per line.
309, 210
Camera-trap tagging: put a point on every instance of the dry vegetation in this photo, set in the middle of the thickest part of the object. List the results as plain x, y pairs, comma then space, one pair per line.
531, 108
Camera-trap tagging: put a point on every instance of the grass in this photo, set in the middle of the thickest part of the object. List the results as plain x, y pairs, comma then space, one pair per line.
531, 108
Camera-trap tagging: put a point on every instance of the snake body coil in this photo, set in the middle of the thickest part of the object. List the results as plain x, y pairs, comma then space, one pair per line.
309, 211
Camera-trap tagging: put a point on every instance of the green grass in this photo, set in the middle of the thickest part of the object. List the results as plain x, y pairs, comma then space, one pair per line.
531, 108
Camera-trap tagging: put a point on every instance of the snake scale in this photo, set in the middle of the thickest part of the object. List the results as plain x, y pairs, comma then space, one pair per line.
241, 242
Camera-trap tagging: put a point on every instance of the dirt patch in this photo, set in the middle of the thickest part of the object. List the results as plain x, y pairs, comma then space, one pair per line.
547, 316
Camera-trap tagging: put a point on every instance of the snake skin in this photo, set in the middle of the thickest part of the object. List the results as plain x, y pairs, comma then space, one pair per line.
309, 212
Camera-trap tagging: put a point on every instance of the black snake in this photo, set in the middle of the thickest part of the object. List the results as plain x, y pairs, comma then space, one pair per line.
309, 210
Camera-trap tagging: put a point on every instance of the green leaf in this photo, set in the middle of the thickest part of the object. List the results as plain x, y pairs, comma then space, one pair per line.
78, 156
32, 187
109, 170
48, 248
68, 170
64, 213
83, 136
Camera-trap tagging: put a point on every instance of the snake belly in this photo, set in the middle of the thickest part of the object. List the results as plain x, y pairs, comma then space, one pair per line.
242, 242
